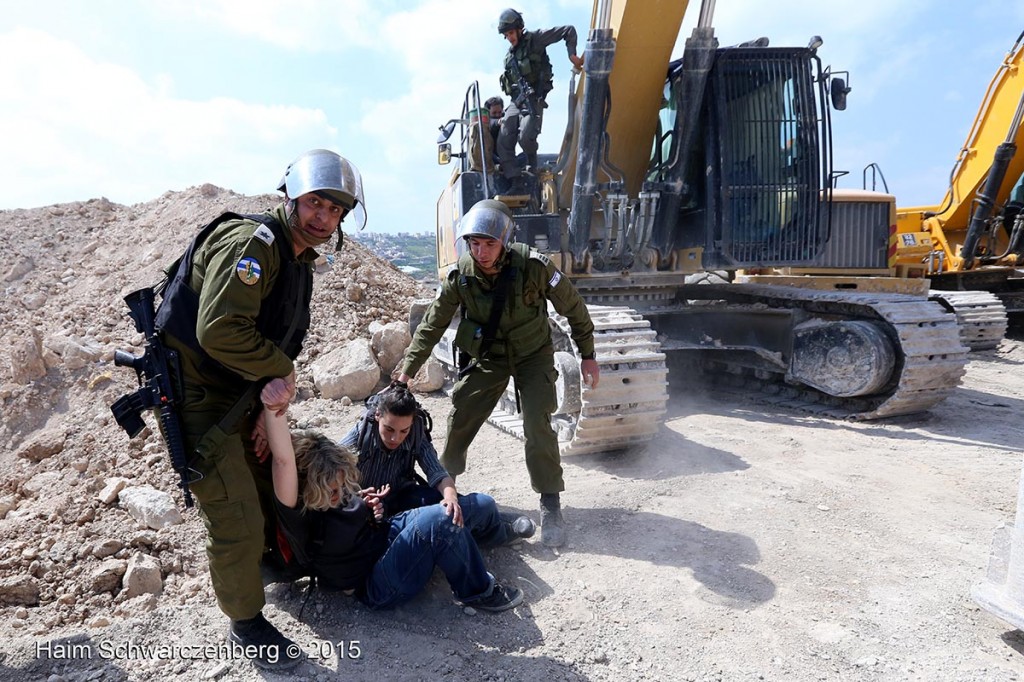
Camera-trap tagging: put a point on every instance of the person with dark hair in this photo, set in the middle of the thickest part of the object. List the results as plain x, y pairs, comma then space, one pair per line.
391, 438
495, 112
336, 529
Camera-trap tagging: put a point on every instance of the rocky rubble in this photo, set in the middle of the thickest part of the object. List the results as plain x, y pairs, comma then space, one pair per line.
87, 531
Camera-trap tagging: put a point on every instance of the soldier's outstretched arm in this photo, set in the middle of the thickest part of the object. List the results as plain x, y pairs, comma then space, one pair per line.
431, 328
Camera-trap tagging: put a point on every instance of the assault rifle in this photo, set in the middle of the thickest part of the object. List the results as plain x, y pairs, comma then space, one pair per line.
524, 101
157, 371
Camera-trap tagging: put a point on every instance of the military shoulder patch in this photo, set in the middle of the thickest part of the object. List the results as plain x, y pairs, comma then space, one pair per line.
264, 234
537, 255
248, 270
555, 278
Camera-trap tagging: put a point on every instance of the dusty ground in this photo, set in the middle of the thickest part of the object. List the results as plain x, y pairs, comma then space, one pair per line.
745, 542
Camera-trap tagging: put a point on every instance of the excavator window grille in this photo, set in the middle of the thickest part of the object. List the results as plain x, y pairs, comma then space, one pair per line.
769, 156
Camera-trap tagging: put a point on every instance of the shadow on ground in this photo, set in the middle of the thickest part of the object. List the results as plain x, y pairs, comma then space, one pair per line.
669, 456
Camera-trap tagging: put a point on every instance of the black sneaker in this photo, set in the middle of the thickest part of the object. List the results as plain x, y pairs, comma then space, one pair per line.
552, 527
264, 644
517, 527
501, 599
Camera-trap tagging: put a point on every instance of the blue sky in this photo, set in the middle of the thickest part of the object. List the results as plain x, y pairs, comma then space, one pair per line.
130, 99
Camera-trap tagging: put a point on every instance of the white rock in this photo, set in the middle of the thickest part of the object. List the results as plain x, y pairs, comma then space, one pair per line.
149, 506
34, 300
111, 487
25, 359
40, 482
429, 378
108, 547
142, 576
349, 371
389, 344
107, 576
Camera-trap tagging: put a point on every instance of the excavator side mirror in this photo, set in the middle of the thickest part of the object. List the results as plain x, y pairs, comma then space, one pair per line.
839, 90
444, 154
446, 130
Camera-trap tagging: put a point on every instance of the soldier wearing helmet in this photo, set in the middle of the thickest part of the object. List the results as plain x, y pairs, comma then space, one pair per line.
526, 63
503, 289
236, 309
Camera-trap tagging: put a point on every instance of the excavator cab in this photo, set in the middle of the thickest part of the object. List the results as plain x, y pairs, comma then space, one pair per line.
752, 185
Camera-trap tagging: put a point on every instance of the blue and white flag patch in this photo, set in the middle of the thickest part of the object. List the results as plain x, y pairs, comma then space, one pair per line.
555, 278
248, 270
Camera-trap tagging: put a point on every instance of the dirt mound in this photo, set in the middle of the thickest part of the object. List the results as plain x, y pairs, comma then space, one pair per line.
744, 542
61, 319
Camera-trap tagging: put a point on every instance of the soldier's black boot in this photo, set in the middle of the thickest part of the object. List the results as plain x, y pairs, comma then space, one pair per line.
264, 644
552, 527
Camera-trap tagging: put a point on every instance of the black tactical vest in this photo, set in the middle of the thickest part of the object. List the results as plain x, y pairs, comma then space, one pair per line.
289, 298
534, 64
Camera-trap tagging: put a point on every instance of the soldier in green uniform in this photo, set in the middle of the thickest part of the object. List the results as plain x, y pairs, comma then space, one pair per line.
518, 346
527, 56
236, 308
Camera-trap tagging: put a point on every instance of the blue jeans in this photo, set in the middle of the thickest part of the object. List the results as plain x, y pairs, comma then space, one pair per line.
419, 540
479, 512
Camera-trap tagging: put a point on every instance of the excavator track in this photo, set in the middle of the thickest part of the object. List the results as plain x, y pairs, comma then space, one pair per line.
931, 357
626, 408
981, 316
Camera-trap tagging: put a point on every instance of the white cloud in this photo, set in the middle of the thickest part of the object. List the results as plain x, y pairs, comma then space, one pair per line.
307, 25
72, 122
445, 45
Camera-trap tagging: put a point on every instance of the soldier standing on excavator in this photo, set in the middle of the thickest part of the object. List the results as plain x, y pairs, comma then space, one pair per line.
527, 80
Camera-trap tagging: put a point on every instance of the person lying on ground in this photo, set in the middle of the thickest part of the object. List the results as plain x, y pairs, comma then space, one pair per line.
337, 530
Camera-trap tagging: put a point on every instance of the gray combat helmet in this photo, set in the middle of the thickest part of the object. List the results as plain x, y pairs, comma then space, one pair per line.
488, 218
321, 170
509, 20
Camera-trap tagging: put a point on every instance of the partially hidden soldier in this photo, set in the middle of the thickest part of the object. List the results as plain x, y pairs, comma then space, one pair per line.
527, 80
502, 289
236, 310
483, 156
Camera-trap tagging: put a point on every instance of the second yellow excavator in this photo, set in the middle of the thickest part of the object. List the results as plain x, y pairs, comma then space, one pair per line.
973, 241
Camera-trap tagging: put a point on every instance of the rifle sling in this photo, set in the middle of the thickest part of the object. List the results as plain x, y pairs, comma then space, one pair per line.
490, 330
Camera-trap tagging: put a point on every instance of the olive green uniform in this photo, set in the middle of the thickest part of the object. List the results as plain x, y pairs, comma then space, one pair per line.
522, 349
529, 57
234, 269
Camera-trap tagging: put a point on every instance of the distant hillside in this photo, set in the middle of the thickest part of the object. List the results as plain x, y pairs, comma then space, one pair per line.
413, 254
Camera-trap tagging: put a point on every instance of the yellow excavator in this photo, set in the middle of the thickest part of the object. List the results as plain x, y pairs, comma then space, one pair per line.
973, 241
673, 179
